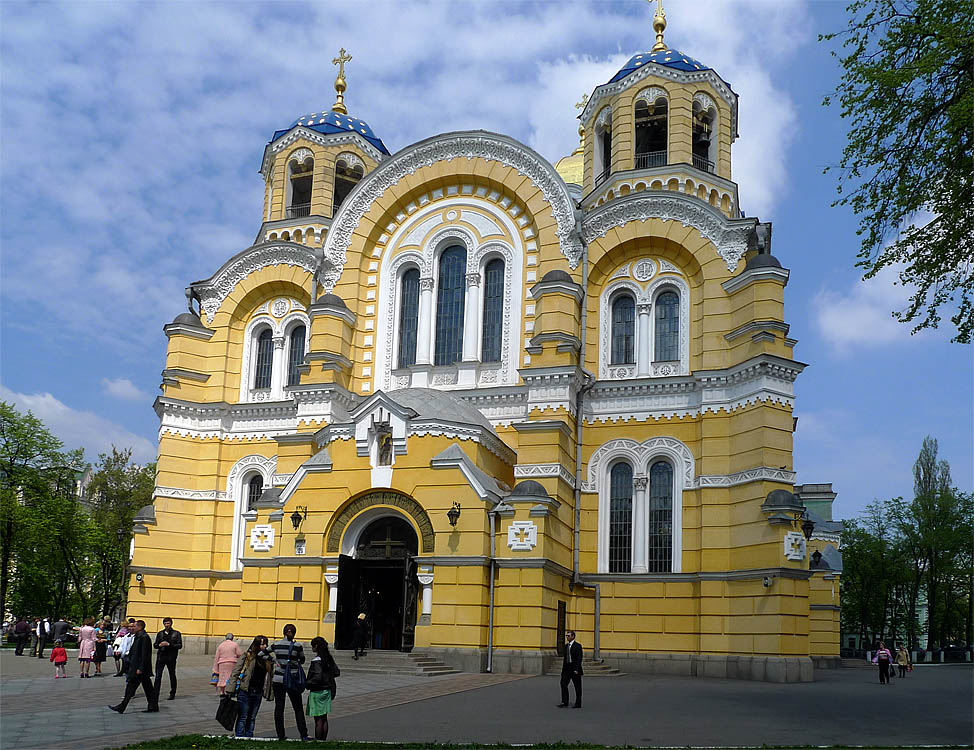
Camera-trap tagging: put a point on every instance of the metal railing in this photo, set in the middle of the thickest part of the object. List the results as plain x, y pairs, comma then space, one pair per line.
602, 177
703, 164
298, 210
651, 159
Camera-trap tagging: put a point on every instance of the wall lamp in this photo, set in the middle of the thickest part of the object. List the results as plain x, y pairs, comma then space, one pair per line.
454, 514
139, 577
807, 524
299, 516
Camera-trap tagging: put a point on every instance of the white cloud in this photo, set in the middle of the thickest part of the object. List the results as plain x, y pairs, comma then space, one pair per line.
78, 428
125, 389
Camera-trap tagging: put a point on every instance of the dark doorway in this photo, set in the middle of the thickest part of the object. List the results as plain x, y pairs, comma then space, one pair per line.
379, 582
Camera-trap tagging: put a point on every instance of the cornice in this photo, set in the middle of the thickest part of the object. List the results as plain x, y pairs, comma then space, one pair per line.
730, 237
214, 290
679, 169
463, 145
322, 139
758, 325
183, 572
749, 574
182, 329
750, 276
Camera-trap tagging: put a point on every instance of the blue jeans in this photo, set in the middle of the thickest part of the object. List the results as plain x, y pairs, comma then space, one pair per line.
249, 705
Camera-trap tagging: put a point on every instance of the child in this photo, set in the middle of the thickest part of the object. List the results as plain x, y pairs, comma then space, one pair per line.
60, 658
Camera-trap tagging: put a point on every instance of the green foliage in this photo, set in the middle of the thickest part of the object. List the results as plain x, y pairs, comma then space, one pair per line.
907, 169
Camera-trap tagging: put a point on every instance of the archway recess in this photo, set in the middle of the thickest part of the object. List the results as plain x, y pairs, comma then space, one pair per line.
377, 499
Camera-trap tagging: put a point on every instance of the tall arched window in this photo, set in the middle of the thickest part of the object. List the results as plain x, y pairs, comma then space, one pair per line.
450, 300
620, 518
603, 146
347, 176
650, 133
623, 330
704, 138
254, 489
493, 328
295, 356
667, 327
299, 181
408, 317
660, 517
265, 359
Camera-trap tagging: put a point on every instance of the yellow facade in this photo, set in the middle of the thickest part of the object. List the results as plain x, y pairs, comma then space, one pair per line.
590, 364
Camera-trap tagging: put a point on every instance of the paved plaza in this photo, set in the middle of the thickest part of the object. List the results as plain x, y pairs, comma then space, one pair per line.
933, 706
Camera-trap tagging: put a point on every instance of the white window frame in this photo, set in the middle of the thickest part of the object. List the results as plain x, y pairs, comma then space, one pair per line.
280, 331
238, 481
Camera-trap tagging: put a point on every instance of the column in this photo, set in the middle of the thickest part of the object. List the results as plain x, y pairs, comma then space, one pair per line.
643, 327
471, 329
278, 375
331, 578
640, 550
425, 577
424, 331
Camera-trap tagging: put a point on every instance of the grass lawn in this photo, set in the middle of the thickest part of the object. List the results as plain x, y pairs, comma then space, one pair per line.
189, 741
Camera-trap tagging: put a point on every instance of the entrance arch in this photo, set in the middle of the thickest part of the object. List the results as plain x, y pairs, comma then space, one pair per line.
379, 502
377, 577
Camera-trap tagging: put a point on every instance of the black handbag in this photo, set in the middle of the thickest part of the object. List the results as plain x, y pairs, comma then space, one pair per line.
293, 674
227, 713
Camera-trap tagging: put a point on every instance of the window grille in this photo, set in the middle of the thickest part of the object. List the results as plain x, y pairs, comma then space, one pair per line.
408, 316
295, 355
623, 331
620, 518
660, 517
450, 301
265, 359
651, 134
667, 327
493, 311
254, 489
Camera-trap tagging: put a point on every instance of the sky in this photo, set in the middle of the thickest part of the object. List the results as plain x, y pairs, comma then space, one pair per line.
130, 142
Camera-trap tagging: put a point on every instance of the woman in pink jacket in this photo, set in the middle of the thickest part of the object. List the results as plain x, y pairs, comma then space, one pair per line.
226, 657
884, 659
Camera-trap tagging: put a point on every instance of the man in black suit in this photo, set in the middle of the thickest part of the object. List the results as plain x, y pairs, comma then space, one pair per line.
571, 670
168, 642
140, 671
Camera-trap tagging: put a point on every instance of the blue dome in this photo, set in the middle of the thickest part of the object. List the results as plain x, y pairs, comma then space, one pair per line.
671, 58
334, 122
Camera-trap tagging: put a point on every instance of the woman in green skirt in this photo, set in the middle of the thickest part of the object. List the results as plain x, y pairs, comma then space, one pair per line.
321, 687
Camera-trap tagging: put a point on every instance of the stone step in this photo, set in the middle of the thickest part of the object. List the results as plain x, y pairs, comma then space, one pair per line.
854, 663
600, 669
393, 662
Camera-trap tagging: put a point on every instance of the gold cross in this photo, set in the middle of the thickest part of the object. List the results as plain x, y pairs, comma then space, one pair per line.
581, 104
343, 57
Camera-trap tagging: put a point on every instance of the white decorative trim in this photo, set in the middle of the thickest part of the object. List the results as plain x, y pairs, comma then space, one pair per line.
795, 547
321, 139
650, 94
530, 471
644, 269
608, 90
603, 120
729, 236
705, 102
281, 331
300, 155
759, 474
178, 493
262, 538
218, 287
351, 160
522, 535
485, 227
621, 273
236, 477
485, 146
640, 456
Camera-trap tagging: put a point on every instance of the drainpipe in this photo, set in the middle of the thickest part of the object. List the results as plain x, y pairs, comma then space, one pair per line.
596, 651
579, 398
490, 610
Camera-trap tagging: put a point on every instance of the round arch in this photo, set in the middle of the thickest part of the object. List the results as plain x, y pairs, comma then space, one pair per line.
374, 505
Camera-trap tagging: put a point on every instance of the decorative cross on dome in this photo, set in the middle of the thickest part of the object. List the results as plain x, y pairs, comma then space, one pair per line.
340, 86
343, 57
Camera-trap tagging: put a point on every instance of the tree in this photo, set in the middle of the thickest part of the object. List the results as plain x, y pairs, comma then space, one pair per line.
908, 92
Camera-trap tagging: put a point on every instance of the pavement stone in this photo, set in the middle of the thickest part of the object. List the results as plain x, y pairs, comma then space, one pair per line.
842, 707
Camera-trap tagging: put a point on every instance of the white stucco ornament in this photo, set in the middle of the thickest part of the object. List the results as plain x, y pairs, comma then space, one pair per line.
522, 535
795, 546
262, 538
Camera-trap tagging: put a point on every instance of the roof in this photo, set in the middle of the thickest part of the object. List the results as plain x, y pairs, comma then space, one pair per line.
440, 405
329, 122
670, 58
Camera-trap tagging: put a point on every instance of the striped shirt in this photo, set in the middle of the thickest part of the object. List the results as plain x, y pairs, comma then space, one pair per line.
280, 649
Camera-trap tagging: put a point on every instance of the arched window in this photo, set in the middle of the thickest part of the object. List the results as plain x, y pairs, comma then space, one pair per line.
623, 330
603, 146
667, 327
660, 517
295, 355
704, 138
265, 359
493, 328
651, 133
299, 183
254, 489
408, 317
347, 175
620, 518
450, 300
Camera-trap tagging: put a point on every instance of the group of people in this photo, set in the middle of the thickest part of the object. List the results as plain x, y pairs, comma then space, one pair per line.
38, 631
94, 640
264, 671
884, 659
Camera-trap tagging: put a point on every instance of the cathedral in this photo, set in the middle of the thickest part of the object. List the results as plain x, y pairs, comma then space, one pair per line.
482, 399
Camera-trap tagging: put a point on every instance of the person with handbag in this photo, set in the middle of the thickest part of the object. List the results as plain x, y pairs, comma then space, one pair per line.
227, 654
289, 681
252, 681
321, 686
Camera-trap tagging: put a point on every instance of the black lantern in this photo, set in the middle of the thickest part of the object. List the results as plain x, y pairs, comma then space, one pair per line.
299, 515
808, 526
454, 514
121, 535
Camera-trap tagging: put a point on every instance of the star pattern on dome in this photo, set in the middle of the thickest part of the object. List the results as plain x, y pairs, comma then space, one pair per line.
328, 121
671, 58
